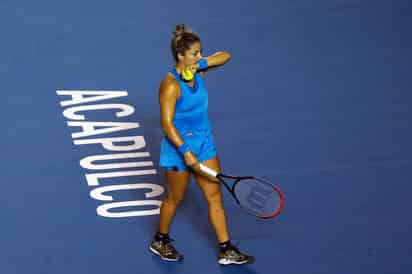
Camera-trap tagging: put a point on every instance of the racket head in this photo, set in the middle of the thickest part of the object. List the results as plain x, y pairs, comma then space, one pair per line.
258, 197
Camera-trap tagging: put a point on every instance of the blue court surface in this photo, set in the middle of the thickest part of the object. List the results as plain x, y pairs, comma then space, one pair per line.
316, 98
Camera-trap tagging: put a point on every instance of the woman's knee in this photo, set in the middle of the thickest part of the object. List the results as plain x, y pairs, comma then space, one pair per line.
174, 199
177, 183
214, 198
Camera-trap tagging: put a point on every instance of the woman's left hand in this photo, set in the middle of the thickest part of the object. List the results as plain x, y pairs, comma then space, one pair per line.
192, 68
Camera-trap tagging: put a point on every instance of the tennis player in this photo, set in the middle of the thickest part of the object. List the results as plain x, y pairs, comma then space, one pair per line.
188, 141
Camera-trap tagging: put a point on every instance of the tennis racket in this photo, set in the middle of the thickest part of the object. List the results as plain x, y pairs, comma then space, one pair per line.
256, 196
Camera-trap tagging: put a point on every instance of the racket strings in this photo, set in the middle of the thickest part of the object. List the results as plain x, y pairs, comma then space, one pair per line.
257, 197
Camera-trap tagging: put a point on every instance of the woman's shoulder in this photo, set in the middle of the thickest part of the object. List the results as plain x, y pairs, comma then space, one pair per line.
169, 84
169, 79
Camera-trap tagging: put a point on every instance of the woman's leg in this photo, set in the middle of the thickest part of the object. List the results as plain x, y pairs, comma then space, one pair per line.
177, 183
228, 254
212, 192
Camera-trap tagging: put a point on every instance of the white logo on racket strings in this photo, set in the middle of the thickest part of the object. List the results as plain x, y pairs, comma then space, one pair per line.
121, 148
258, 197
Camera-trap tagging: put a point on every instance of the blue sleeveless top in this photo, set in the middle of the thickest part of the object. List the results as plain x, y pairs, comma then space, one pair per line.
191, 113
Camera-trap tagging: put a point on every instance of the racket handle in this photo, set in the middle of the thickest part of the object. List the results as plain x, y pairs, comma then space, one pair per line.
208, 171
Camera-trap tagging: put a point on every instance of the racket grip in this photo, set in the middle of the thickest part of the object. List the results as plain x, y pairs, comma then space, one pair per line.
208, 171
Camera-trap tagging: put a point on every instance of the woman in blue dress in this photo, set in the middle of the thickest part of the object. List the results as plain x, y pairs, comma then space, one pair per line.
188, 141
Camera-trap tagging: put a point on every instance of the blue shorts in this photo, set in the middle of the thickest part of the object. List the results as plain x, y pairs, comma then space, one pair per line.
201, 143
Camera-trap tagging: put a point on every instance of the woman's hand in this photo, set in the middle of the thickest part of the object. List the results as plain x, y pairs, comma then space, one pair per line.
189, 72
192, 68
192, 162
190, 159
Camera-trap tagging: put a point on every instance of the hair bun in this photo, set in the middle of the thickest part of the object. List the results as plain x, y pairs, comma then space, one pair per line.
181, 29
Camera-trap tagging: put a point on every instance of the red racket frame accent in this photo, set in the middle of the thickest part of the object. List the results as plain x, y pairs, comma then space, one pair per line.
279, 209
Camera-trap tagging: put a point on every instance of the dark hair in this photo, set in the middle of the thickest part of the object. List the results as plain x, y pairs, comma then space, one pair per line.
183, 39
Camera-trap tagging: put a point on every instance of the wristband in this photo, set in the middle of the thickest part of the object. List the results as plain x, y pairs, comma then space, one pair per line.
202, 64
184, 148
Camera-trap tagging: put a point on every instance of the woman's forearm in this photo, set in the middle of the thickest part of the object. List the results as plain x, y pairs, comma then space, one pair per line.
172, 134
217, 59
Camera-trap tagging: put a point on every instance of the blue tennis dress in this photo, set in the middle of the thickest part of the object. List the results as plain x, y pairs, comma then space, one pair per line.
192, 122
